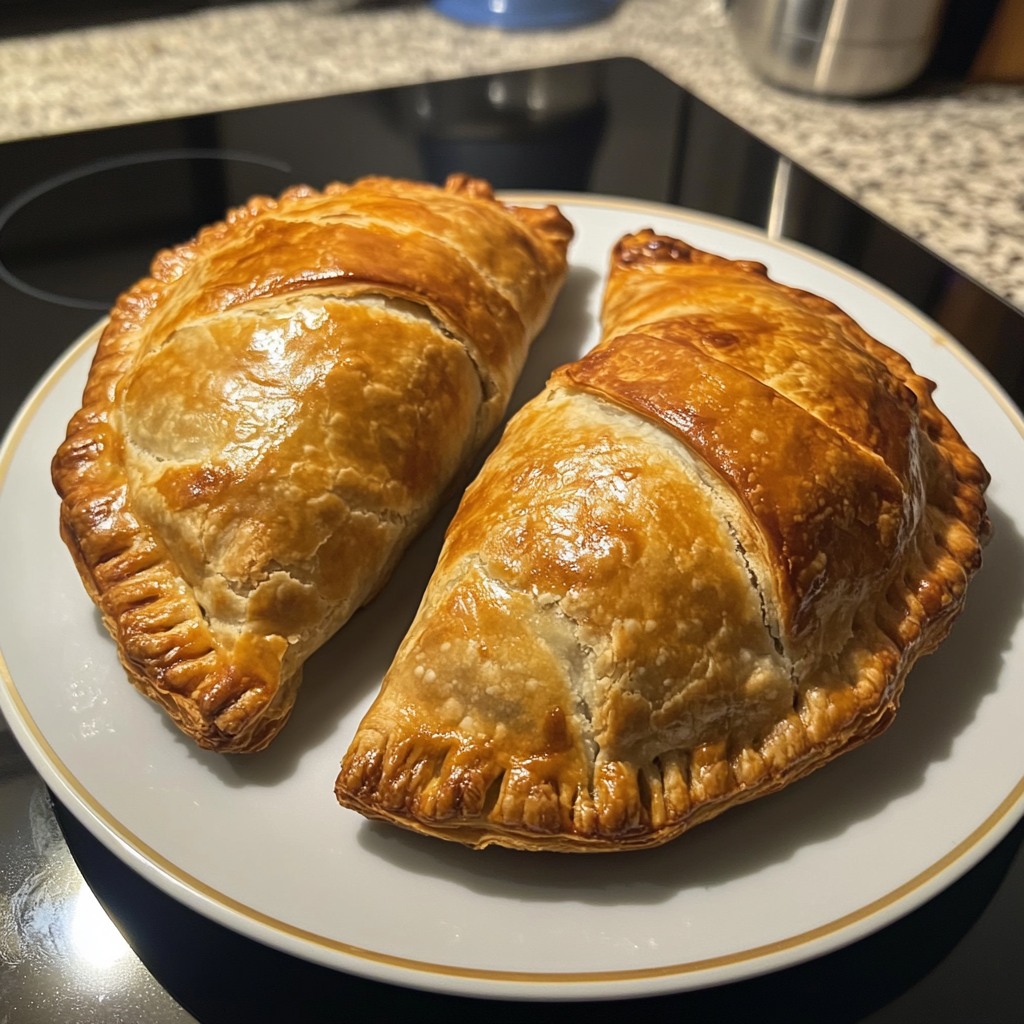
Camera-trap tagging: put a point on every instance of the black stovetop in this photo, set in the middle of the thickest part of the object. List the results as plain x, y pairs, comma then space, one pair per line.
81, 214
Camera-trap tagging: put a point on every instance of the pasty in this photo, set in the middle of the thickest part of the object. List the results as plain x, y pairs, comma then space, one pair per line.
275, 412
696, 567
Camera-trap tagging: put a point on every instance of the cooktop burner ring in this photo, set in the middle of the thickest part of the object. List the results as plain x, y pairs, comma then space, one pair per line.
96, 167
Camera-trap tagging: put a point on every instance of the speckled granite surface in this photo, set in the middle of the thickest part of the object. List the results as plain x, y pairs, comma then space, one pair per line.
946, 168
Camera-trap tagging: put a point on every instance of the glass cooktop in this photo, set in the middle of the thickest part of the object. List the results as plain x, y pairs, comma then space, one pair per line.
80, 216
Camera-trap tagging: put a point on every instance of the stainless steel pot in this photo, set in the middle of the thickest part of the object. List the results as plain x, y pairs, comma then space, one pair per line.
838, 47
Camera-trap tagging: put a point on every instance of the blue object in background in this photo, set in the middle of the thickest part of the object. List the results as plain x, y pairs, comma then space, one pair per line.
525, 13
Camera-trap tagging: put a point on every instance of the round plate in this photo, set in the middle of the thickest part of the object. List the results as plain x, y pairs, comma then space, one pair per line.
259, 844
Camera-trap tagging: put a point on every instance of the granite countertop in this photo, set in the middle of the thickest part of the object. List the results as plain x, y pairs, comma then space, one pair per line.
942, 165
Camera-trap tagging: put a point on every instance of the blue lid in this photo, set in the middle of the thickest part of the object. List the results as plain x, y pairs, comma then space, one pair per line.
525, 13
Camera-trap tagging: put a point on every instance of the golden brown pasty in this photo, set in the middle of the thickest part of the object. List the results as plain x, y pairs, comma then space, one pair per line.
276, 411
699, 565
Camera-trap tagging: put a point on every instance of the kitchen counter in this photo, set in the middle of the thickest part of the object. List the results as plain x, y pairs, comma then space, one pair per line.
942, 162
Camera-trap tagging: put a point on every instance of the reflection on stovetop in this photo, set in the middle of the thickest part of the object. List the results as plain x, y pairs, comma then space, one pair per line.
61, 956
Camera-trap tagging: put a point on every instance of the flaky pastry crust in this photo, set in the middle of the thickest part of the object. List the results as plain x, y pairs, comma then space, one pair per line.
275, 412
698, 566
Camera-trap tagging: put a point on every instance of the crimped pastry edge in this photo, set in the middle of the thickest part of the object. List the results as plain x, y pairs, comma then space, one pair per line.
915, 617
902, 633
244, 711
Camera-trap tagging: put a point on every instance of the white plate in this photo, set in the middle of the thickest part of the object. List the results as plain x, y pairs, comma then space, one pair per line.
260, 845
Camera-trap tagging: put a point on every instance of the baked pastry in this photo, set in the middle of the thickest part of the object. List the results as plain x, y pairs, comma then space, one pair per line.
275, 412
697, 566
